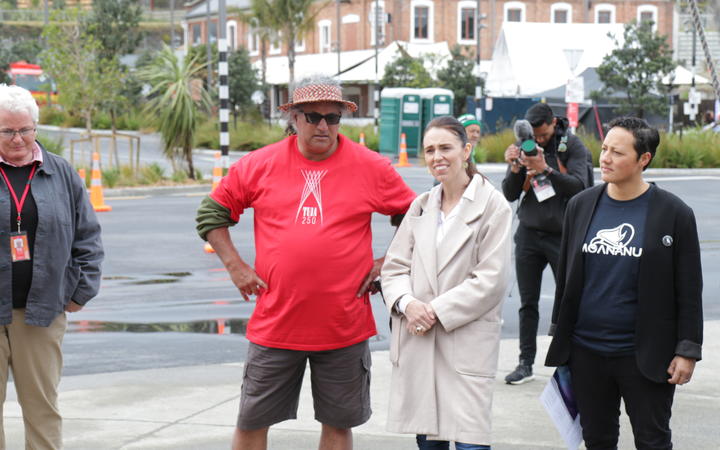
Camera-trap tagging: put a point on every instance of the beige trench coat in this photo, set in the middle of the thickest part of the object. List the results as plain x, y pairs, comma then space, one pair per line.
442, 382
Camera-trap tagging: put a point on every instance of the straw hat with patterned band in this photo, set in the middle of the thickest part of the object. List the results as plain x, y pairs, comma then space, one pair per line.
315, 93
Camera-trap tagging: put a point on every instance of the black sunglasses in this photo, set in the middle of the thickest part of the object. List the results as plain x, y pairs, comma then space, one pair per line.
315, 118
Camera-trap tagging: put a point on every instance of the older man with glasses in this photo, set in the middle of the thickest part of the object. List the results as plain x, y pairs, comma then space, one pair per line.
50, 259
313, 195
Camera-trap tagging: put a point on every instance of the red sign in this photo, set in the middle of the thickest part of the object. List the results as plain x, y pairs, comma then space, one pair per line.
572, 114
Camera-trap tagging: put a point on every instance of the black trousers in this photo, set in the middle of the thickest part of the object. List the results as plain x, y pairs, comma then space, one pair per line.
534, 250
600, 381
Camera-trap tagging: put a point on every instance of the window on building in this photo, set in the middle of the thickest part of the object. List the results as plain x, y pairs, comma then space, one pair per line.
421, 20
196, 34
300, 44
561, 13
232, 35
648, 13
467, 24
213, 31
324, 33
253, 43
420, 30
514, 11
275, 45
605, 13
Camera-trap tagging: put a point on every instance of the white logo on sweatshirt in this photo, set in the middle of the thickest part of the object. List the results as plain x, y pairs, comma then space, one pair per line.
312, 187
613, 241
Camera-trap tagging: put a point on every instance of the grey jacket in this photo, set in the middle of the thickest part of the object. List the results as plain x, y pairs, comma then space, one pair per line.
68, 250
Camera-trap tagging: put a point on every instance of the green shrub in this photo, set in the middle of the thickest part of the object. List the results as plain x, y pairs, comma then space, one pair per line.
481, 154
73, 121
179, 176
495, 144
592, 143
110, 177
101, 121
693, 149
372, 140
51, 116
151, 174
56, 146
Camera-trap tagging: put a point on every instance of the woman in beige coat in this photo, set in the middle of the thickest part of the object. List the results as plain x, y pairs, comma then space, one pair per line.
444, 279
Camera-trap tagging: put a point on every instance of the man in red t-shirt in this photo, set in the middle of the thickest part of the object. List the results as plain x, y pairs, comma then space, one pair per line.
313, 195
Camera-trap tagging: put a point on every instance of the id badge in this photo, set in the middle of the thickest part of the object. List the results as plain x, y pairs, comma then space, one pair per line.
19, 247
542, 187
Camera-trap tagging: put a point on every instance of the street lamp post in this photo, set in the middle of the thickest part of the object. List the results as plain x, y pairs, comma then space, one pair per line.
478, 75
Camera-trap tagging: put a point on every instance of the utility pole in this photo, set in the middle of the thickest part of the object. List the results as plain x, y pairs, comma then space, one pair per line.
172, 24
376, 90
337, 41
478, 87
46, 19
224, 92
207, 44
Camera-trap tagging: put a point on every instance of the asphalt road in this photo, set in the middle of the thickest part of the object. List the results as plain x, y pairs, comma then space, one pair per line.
166, 303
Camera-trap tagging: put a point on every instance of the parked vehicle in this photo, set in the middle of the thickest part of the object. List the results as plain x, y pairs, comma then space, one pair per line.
32, 78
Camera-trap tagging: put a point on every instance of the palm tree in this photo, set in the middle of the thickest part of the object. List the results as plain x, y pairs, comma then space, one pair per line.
177, 100
287, 20
261, 21
294, 18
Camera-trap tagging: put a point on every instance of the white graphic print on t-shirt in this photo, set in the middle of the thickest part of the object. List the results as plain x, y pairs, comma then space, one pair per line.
613, 241
312, 186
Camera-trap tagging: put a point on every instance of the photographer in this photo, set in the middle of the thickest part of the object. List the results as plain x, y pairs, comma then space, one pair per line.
560, 168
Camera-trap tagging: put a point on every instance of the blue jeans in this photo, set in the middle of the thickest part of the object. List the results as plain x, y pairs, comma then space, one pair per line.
424, 444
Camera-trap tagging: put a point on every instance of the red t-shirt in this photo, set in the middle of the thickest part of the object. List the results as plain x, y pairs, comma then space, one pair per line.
313, 239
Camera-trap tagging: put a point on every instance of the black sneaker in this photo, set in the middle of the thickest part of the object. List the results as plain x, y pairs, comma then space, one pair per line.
522, 374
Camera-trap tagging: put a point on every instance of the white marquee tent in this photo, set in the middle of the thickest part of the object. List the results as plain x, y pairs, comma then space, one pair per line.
530, 58
356, 66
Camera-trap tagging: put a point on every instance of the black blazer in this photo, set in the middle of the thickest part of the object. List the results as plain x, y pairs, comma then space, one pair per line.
669, 312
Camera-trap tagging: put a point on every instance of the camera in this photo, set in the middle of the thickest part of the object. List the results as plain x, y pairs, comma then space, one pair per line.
528, 147
525, 139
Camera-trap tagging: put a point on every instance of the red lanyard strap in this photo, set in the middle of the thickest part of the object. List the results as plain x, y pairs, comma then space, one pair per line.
19, 203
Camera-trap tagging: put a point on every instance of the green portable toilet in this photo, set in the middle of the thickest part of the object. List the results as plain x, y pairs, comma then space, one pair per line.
400, 112
436, 102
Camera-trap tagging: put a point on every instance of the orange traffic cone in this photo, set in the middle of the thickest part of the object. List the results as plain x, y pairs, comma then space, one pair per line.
81, 174
362, 139
217, 172
96, 191
217, 176
403, 157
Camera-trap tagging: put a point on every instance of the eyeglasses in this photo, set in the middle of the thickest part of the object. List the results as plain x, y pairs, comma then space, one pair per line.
10, 134
315, 118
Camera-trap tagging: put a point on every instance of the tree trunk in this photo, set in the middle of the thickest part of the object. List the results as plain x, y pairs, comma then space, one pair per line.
189, 158
263, 59
291, 63
113, 148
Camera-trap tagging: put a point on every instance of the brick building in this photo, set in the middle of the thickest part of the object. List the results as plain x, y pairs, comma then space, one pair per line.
429, 23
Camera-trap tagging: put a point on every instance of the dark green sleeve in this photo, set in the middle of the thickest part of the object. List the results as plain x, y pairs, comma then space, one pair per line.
211, 215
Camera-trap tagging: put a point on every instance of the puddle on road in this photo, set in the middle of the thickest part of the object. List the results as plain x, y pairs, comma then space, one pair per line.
157, 281
174, 278
216, 326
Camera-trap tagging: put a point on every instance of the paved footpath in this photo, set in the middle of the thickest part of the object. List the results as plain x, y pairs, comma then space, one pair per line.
195, 407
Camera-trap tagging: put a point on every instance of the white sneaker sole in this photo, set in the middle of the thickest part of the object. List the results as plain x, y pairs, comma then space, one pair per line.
522, 381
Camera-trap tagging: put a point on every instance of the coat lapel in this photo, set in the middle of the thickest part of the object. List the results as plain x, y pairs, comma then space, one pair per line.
424, 229
459, 231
